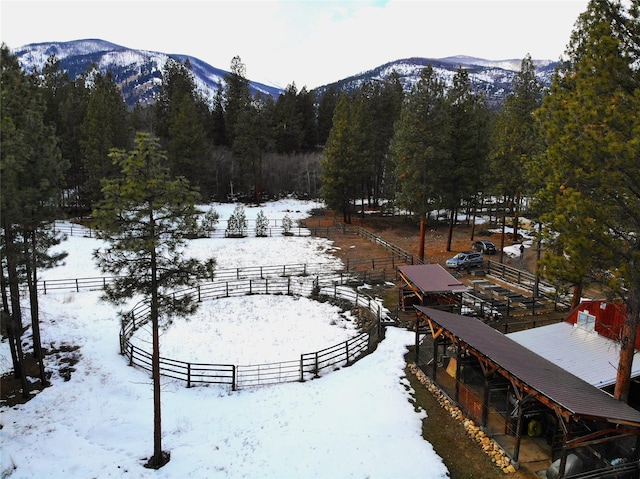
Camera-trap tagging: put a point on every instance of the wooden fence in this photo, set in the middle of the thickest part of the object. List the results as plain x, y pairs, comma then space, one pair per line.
274, 229
307, 366
527, 281
381, 269
405, 256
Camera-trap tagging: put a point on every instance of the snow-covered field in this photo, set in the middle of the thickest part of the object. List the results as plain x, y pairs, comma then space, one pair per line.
357, 422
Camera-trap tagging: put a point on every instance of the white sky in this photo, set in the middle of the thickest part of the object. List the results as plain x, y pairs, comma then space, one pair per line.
357, 421
311, 43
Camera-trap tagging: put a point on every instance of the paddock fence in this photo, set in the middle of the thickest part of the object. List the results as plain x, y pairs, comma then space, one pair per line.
307, 366
274, 229
355, 271
405, 256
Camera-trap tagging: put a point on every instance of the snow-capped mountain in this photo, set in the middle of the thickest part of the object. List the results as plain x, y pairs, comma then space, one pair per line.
138, 72
493, 78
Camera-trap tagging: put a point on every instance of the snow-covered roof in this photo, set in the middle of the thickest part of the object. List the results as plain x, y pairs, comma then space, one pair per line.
583, 353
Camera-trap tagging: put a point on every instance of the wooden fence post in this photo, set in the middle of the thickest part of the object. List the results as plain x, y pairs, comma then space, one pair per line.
346, 348
234, 378
302, 368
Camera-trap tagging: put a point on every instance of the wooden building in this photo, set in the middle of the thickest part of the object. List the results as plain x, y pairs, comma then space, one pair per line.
507, 388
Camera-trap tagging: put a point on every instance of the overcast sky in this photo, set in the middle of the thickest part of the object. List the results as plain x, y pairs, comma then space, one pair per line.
311, 43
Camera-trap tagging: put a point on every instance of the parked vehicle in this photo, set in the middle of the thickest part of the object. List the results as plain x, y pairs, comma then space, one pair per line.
465, 260
484, 246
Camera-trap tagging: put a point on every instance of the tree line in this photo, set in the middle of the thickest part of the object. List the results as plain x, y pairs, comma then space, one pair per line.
573, 151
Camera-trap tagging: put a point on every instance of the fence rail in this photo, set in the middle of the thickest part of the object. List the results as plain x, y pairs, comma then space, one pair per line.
527, 281
308, 366
273, 230
398, 252
379, 269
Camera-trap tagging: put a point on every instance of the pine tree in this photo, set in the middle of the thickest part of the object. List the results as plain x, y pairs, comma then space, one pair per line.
237, 98
237, 223
31, 175
419, 145
105, 126
341, 164
262, 225
306, 107
588, 176
66, 107
209, 221
326, 109
182, 117
287, 225
289, 131
516, 142
377, 107
467, 143
145, 217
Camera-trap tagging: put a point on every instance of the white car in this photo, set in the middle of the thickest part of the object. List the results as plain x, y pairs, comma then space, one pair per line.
465, 260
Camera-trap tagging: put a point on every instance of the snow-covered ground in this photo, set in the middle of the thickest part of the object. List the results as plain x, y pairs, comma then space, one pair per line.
357, 422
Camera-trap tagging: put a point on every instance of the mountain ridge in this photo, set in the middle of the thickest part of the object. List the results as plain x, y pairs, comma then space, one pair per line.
138, 73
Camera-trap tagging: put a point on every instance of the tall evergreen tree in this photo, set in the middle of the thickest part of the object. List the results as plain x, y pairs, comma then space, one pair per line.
419, 145
340, 165
145, 216
516, 141
66, 106
378, 108
289, 130
386, 113
588, 176
217, 118
106, 125
326, 108
237, 98
188, 147
182, 118
467, 142
31, 174
306, 106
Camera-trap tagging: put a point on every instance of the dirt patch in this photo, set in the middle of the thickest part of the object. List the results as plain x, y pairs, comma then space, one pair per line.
63, 357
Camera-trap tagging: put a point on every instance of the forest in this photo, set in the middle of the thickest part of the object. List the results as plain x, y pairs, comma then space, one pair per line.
567, 157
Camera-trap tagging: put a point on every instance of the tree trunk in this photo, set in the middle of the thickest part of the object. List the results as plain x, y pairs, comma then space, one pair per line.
504, 224
158, 460
15, 317
31, 270
6, 323
577, 294
450, 236
627, 345
423, 231
474, 210
516, 214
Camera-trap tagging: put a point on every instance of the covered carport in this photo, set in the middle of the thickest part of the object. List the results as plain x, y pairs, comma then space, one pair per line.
429, 285
590, 425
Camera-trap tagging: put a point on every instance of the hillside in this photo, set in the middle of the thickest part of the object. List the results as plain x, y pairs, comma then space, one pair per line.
138, 72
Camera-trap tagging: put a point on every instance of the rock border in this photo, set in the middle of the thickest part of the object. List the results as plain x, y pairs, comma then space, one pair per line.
490, 447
